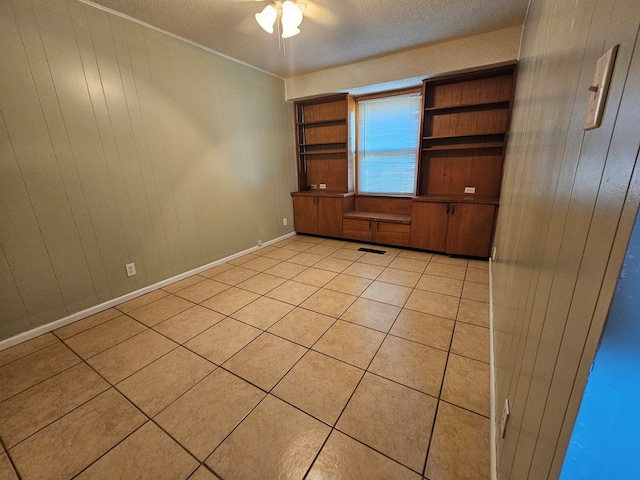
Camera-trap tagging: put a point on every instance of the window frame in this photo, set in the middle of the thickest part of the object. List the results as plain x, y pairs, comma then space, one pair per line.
387, 94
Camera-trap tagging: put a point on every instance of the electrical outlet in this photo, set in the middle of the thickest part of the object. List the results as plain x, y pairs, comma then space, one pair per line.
285, 221
323, 186
506, 411
259, 242
131, 269
469, 189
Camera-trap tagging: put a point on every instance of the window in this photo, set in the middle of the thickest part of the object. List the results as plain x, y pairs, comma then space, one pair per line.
388, 144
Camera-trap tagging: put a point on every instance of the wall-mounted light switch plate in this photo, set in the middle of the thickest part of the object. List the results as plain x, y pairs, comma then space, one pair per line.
285, 221
599, 88
469, 189
506, 411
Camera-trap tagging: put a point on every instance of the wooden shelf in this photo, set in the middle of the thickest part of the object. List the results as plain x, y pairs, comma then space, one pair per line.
466, 135
475, 146
320, 123
468, 106
324, 152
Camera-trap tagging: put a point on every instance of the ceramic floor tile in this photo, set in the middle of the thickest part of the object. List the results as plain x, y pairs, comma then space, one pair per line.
128, 357
201, 291
322, 249
223, 340
242, 259
416, 255
478, 275
184, 283
350, 343
202, 418
261, 264
28, 371
142, 300
203, 474
455, 261
411, 364
372, 314
281, 254
332, 242
306, 259
364, 270
460, 445
355, 461
471, 341
328, 302
160, 310
161, 382
230, 301
281, 442
376, 258
388, 293
235, 275
302, 326
466, 384
6, 469
476, 313
42, 404
319, 385
86, 323
64, 448
147, 453
349, 284
263, 250
409, 264
188, 324
476, 291
286, 270
424, 328
333, 264
347, 254
299, 246
445, 270
292, 292
263, 313
104, 336
265, 360
479, 264
391, 418
443, 285
315, 276
399, 277
26, 348
217, 270
444, 306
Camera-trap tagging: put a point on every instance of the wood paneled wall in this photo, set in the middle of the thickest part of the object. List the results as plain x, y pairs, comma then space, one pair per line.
119, 144
568, 204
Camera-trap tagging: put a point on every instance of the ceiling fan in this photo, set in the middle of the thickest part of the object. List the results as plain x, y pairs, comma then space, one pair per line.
287, 15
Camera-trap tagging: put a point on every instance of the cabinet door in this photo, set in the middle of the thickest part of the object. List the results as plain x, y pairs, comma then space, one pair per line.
329, 211
357, 229
392, 233
470, 229
305, 214
429, 226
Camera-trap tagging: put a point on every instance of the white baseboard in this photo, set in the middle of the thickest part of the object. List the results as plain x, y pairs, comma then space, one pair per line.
492, 382
35, 332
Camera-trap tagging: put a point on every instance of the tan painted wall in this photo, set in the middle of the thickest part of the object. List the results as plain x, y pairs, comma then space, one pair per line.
566, 213
122, 144
408, 68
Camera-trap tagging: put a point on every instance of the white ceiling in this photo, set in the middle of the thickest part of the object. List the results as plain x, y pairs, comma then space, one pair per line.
345, 30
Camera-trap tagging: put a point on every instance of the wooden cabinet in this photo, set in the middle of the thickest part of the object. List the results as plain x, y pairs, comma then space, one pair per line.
325, 143
376, 231
319, 214
465, 122
453, 228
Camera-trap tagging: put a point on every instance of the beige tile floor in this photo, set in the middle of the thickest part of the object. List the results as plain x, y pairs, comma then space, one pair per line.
307, 358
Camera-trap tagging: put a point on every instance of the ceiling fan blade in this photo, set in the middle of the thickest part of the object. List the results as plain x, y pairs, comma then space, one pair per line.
319, 14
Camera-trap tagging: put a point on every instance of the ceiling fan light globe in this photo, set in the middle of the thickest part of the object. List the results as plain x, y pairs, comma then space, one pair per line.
292, 32
291, 15
267, 17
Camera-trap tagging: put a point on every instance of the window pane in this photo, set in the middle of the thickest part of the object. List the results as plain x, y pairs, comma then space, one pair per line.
388, 144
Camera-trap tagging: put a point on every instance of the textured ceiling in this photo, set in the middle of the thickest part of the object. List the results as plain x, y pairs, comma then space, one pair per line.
334, 32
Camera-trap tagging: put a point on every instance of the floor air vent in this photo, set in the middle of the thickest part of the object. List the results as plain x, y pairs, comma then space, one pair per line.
372, 250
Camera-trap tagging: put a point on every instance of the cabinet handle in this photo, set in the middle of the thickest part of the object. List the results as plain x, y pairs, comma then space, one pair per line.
453, 209
378, 226
370, 226
448, 208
